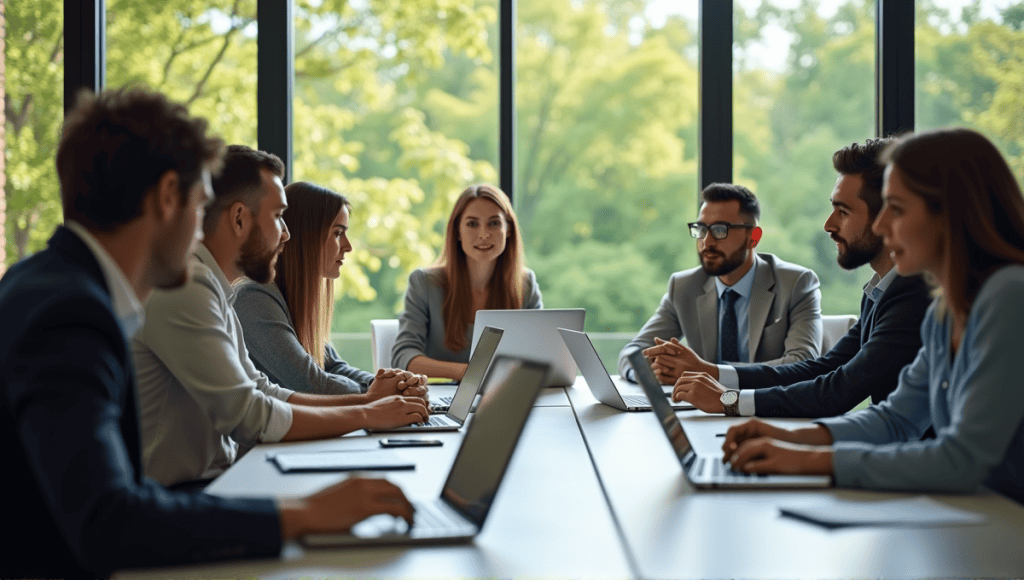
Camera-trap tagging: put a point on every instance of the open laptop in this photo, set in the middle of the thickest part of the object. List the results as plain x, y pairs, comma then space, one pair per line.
533, 335
601, 384
461, 402
480, 465
475, 370
707, 471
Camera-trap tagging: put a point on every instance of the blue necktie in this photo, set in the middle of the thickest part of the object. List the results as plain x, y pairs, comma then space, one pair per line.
730, 333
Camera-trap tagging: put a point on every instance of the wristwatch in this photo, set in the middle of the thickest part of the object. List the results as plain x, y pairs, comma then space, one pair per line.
731, 403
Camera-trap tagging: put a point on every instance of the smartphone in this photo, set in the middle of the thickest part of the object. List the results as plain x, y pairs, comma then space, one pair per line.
410, 443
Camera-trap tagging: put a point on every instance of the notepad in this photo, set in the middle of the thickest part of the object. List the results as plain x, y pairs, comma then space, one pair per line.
341, 461
920, 511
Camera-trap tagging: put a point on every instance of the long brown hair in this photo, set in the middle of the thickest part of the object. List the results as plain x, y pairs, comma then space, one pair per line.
505, 290
962, 176
299, 275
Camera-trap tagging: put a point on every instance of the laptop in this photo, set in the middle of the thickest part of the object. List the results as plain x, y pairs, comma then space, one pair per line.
601, 384
458, 410
475, 370
533, 334
708, 471
479, 467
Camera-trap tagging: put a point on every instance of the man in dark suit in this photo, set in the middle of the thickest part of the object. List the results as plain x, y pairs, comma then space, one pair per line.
864, 363
134, 172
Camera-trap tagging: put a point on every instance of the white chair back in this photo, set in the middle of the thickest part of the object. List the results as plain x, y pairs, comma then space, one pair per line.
382, 338
833, 328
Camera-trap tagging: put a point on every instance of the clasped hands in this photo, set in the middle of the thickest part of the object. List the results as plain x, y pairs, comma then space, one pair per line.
388, 382
695, 379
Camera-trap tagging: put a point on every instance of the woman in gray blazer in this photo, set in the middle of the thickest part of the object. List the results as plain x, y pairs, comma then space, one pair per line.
481, 268
954, 211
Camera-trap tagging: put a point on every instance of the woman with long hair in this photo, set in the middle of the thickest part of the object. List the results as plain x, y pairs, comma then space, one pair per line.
287, 322
481, 268
954, 211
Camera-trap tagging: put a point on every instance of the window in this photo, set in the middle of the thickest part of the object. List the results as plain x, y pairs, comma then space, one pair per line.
803, 87
33, 74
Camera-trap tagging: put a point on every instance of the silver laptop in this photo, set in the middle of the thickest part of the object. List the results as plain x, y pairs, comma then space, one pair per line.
707, 471
480, 465
475, 370
601, 384
533, 334
457, 412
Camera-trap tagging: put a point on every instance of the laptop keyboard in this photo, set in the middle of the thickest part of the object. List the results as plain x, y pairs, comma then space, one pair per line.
433, 421
446, 400
721, 470
432, 520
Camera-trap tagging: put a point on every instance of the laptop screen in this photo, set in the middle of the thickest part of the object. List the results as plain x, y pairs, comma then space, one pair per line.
478, 363
512, 388
662, 408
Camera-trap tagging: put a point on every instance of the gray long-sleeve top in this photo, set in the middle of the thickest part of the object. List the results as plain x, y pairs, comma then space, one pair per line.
421, 325
276, 351
972, 399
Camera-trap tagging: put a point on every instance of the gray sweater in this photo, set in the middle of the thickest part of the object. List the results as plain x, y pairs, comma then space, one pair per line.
421, 326
276, 351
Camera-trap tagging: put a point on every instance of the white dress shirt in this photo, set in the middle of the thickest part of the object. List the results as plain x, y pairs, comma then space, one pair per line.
199, 394
127, 308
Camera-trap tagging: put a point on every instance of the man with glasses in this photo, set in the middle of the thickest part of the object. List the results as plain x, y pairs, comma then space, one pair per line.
739, 306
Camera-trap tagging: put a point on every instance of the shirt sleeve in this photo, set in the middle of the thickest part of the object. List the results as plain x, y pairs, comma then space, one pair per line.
978, 408
188, 330
664, 323
272, 343
532, 299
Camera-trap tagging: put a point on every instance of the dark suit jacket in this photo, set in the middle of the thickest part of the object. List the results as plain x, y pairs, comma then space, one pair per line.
864, 363
76, 503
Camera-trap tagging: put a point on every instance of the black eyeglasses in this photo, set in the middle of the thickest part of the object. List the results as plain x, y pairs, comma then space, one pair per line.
719, 230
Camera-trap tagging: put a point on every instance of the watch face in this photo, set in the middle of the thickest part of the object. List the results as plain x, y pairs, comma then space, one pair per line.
729, 397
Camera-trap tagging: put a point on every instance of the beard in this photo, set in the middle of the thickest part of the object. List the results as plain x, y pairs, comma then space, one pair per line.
858, 252
256, 258
728, 264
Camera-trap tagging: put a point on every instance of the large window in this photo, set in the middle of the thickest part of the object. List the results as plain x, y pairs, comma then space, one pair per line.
396, 106
606, 145
33, 112
803, 87
969, 68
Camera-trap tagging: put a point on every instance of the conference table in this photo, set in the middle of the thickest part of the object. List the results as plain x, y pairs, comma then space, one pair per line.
593, 492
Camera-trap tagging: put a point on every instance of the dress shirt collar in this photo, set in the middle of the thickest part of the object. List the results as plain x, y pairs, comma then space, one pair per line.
204, 256
742, 287
878, 285
127, 308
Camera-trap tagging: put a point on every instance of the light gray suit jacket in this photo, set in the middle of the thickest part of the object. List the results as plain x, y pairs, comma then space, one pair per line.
421, 325
784, 321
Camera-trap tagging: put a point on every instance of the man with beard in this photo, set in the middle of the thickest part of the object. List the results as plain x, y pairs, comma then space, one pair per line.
200, 395
864, 363
739, 305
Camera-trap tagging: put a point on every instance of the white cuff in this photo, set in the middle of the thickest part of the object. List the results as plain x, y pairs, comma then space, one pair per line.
746, 403
728, 377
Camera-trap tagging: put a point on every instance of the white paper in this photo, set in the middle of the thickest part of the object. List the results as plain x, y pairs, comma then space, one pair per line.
920, 511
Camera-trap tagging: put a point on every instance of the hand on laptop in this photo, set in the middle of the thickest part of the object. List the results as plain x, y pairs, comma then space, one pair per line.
389, 382
341, 506
700, 390
670, 359
759, 447
396, 411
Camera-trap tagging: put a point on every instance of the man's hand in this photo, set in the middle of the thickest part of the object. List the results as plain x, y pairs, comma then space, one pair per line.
766, 455
670, 359
701, 391
737, 435
341, 506
396, 411
390, 382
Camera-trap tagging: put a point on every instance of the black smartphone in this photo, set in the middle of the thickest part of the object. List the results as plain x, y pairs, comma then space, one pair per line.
410, 443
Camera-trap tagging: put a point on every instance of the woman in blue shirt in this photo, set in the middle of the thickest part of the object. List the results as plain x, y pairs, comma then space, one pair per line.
954, 211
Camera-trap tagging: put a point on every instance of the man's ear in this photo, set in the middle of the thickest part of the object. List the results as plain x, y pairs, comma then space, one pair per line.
239, 217
755, 236
167, 196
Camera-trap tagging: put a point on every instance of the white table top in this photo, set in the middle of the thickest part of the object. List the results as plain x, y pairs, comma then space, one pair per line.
675, 531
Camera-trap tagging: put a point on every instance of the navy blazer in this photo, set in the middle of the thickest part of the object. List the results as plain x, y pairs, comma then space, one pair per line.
864, 363
77, 504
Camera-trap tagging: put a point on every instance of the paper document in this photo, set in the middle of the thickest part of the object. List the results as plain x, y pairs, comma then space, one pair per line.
912, 512
340, 461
